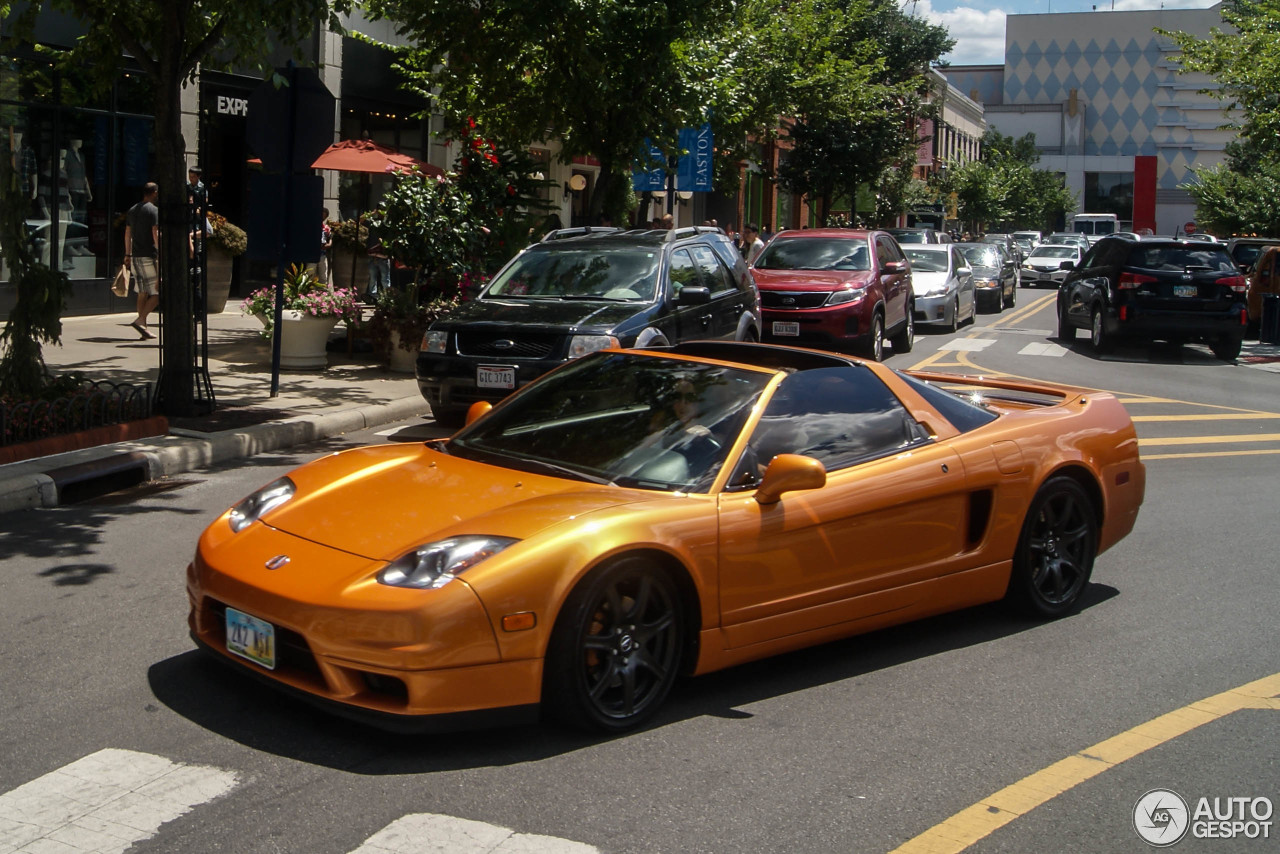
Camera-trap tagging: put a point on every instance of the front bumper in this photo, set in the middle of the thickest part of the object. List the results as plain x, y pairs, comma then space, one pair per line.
826, 325
935, 310
450, 381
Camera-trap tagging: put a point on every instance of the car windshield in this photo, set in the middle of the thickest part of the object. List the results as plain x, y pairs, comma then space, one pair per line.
815, 253
622, 418
926, 260
981, 256
580, 272
1181, 258
1054, 252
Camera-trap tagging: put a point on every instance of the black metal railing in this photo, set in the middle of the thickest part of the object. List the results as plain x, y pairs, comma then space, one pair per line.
94, 404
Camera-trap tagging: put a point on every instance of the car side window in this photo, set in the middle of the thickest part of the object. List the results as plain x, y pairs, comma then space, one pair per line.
684, 273
840, 416
883, 253
714, 275
1093, 257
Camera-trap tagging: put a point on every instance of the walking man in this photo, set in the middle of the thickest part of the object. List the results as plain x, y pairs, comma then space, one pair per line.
141, 239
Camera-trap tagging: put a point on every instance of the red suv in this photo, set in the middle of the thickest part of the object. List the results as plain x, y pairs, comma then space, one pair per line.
835, 288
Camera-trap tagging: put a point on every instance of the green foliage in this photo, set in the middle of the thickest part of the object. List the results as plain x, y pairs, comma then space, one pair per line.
1244, 62
426, 223
305, 293
36, 316
351, 235
402, 310
227, 237
1004, 187
1231, 202
599, 76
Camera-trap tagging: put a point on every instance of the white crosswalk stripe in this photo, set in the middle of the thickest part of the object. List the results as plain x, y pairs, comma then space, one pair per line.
426, 833
968, 345
104, 803
1042, 348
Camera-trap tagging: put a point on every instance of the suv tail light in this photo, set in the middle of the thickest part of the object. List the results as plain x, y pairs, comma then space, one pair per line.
1133, 281
1239, 284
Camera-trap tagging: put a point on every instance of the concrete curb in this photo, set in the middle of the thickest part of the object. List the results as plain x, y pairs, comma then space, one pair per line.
34, 483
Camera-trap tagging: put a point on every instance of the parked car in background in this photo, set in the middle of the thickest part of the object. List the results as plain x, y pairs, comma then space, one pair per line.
995, 276
836, 288
1245, 251
943, 284
919, 235
582, 290
1065, 238
639, 516
1049, 263
1034, 238
1155, 288
1264, 278
1006, 240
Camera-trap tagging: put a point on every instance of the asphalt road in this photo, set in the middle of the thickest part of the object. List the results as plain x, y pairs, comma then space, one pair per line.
974, 731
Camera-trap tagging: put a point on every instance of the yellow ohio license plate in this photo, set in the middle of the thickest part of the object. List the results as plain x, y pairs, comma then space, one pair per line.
251, 638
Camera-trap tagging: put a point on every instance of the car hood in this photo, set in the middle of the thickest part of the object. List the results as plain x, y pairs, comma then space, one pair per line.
379, 502
545, 313
981, 272
921, 283
810, 280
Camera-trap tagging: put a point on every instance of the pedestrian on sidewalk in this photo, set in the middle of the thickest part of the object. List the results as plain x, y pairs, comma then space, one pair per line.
326, 244
141, 239
752, 245
379, 266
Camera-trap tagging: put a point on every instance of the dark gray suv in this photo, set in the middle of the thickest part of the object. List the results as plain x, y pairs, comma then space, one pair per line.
582, 290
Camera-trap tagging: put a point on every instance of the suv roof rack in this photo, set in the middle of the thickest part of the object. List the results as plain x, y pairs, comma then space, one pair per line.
580, 231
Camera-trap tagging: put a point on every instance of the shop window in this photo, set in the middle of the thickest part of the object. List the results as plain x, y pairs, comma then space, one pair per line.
1109, 192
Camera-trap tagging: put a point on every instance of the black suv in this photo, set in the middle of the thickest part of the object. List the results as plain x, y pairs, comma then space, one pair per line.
1175, 290
578, 291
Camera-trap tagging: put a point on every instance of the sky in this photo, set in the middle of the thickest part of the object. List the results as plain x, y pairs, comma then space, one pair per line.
978, 25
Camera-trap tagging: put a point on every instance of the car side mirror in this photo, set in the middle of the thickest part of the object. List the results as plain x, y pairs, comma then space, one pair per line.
893, 268
478, 410
965, 271
690, 295
788, 473
1067, 265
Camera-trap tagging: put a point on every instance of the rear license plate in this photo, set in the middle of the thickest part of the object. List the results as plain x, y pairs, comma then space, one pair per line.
492, 376
786, 327
251, 638
1185, 291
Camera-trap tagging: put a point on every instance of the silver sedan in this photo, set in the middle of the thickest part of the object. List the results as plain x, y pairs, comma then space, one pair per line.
943, 285
1049, 264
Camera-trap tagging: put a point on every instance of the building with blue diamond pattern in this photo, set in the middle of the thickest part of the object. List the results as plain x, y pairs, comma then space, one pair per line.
1102, 94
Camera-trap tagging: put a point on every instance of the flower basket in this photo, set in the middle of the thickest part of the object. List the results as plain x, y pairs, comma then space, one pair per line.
305, 294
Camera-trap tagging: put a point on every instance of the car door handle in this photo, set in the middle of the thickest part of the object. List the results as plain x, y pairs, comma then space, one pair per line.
706, 319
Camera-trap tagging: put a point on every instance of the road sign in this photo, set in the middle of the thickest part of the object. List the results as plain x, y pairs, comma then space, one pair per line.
1189, 228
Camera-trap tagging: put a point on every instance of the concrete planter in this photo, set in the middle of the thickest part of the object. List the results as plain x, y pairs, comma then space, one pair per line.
349, 270
217, 279
303, 339
402, 361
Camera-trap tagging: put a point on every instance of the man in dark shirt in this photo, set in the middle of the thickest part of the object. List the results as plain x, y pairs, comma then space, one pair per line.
141, 240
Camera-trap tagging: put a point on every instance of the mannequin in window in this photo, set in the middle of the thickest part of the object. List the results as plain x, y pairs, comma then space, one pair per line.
24, 163
77, 179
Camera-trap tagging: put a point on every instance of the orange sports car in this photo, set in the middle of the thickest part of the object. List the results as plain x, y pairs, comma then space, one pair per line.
637, 515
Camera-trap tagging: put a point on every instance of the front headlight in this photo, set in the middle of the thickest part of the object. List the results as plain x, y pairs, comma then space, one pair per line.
986, 283
436, 564
269, 497
581, 345
846, 295
433, 341
936, 291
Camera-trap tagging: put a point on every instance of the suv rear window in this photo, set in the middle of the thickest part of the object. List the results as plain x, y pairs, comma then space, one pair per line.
1181, 258
588, 271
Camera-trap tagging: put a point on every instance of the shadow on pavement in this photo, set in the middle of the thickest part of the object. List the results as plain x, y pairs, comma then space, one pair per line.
214, 696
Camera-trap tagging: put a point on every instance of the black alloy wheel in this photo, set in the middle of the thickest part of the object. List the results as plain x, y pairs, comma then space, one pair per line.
955, 316
1055, 552
1226, 348
616, 649
1013, 294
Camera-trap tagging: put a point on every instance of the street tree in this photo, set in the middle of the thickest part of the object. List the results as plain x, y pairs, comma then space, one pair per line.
168, 40
600, 77
1244, 61
1005, 187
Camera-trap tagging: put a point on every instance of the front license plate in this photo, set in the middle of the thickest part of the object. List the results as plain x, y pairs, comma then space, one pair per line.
492, 376
251, 638
786, 327
1185, 291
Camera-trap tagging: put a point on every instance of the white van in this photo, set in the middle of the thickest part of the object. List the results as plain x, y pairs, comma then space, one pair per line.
1095, 225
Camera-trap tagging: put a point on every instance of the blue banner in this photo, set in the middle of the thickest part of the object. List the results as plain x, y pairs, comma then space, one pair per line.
694, 171
651, 176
